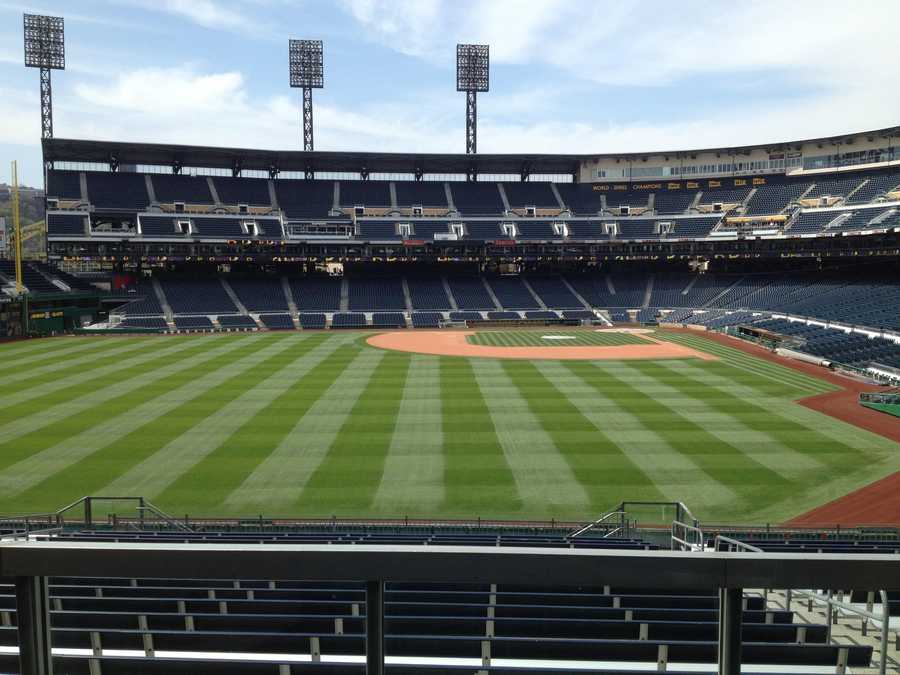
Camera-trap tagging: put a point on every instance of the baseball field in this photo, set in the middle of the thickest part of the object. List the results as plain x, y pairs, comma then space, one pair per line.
322, 423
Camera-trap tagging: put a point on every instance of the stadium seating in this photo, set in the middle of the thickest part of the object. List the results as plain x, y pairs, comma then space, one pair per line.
580, 198
305, 199
554, 293
348, 320
316, 293
370, 193
122, 191
193, 323
470, 293
64, 185
149, 322
427, 194
198, 296
260, 295
875, 186
503, 316
477, 199
388, 320
312, 320
426, 319
236, 321
672, 202
538, 194
376, 294
66, 224
773, 199
466, 316
249, 191
145, 301
512, 293
170, 188
541, 314
428, 293
277, 321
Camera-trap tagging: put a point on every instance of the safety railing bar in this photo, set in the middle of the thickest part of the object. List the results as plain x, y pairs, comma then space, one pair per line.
601, 519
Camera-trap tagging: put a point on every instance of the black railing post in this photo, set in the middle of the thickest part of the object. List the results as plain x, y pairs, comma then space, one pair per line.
731, 613
33, 616
374, 628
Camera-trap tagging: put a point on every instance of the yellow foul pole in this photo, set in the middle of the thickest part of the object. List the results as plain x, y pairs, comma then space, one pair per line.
17, 228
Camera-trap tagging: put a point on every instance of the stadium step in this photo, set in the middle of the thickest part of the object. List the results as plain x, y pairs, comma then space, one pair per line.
234, 298
406, 297
648, 291
490, 292
163, 302
577, 295
449, 293
289, 298
536, 297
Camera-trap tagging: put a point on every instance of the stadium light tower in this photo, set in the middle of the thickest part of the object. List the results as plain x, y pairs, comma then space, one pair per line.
45, 48
472, 76
307, 72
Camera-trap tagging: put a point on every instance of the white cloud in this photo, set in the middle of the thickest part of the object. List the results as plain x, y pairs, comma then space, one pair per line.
211, 14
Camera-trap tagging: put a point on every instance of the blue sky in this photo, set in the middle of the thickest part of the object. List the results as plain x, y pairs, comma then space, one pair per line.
566, 75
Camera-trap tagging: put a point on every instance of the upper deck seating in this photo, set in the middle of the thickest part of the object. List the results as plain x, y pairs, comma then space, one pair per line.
773, 199
580, 198
477, 199
427, 194
835, 187
66, 224
876, 186
673, 201
724, 195
369, 193
538, 194
305, 198
64, 184
120, 191
249, 191
169, 188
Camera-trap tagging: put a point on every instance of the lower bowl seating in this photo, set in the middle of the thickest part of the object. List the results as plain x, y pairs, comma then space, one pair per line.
312, 321
277, 321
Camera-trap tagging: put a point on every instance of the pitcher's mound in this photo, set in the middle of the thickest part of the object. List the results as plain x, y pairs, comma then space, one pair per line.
454, 343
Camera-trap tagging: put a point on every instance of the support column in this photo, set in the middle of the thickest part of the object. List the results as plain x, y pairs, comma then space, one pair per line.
307, 121
471, 123
374, 628
731, 613
33, 616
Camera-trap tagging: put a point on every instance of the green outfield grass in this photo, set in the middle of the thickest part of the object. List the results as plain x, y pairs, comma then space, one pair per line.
550, 337
315, 424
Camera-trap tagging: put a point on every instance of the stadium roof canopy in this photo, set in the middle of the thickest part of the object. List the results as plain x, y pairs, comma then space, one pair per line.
125, 153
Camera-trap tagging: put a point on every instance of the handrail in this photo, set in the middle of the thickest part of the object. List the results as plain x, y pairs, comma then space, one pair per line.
597, 522
680, 532
831, 602
734, 544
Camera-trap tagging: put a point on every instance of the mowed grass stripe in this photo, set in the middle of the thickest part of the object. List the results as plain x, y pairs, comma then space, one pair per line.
210, 480
55, 369
543, 477
604, 471
348, 477
720, 460
36, 348
478, 479
50, 391
31, 365
673, 473
413, 477
85, 463
842, 446
806, 385
536, 338
721, 417
70, 411
319, 415
157, 472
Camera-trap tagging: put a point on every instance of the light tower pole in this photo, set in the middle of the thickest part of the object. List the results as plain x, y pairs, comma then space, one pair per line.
472, 76
45, 48
305, 60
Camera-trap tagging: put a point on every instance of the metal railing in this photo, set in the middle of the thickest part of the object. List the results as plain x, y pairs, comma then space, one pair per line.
687, 537
31, 563
832, 604
619, 525
734, 545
